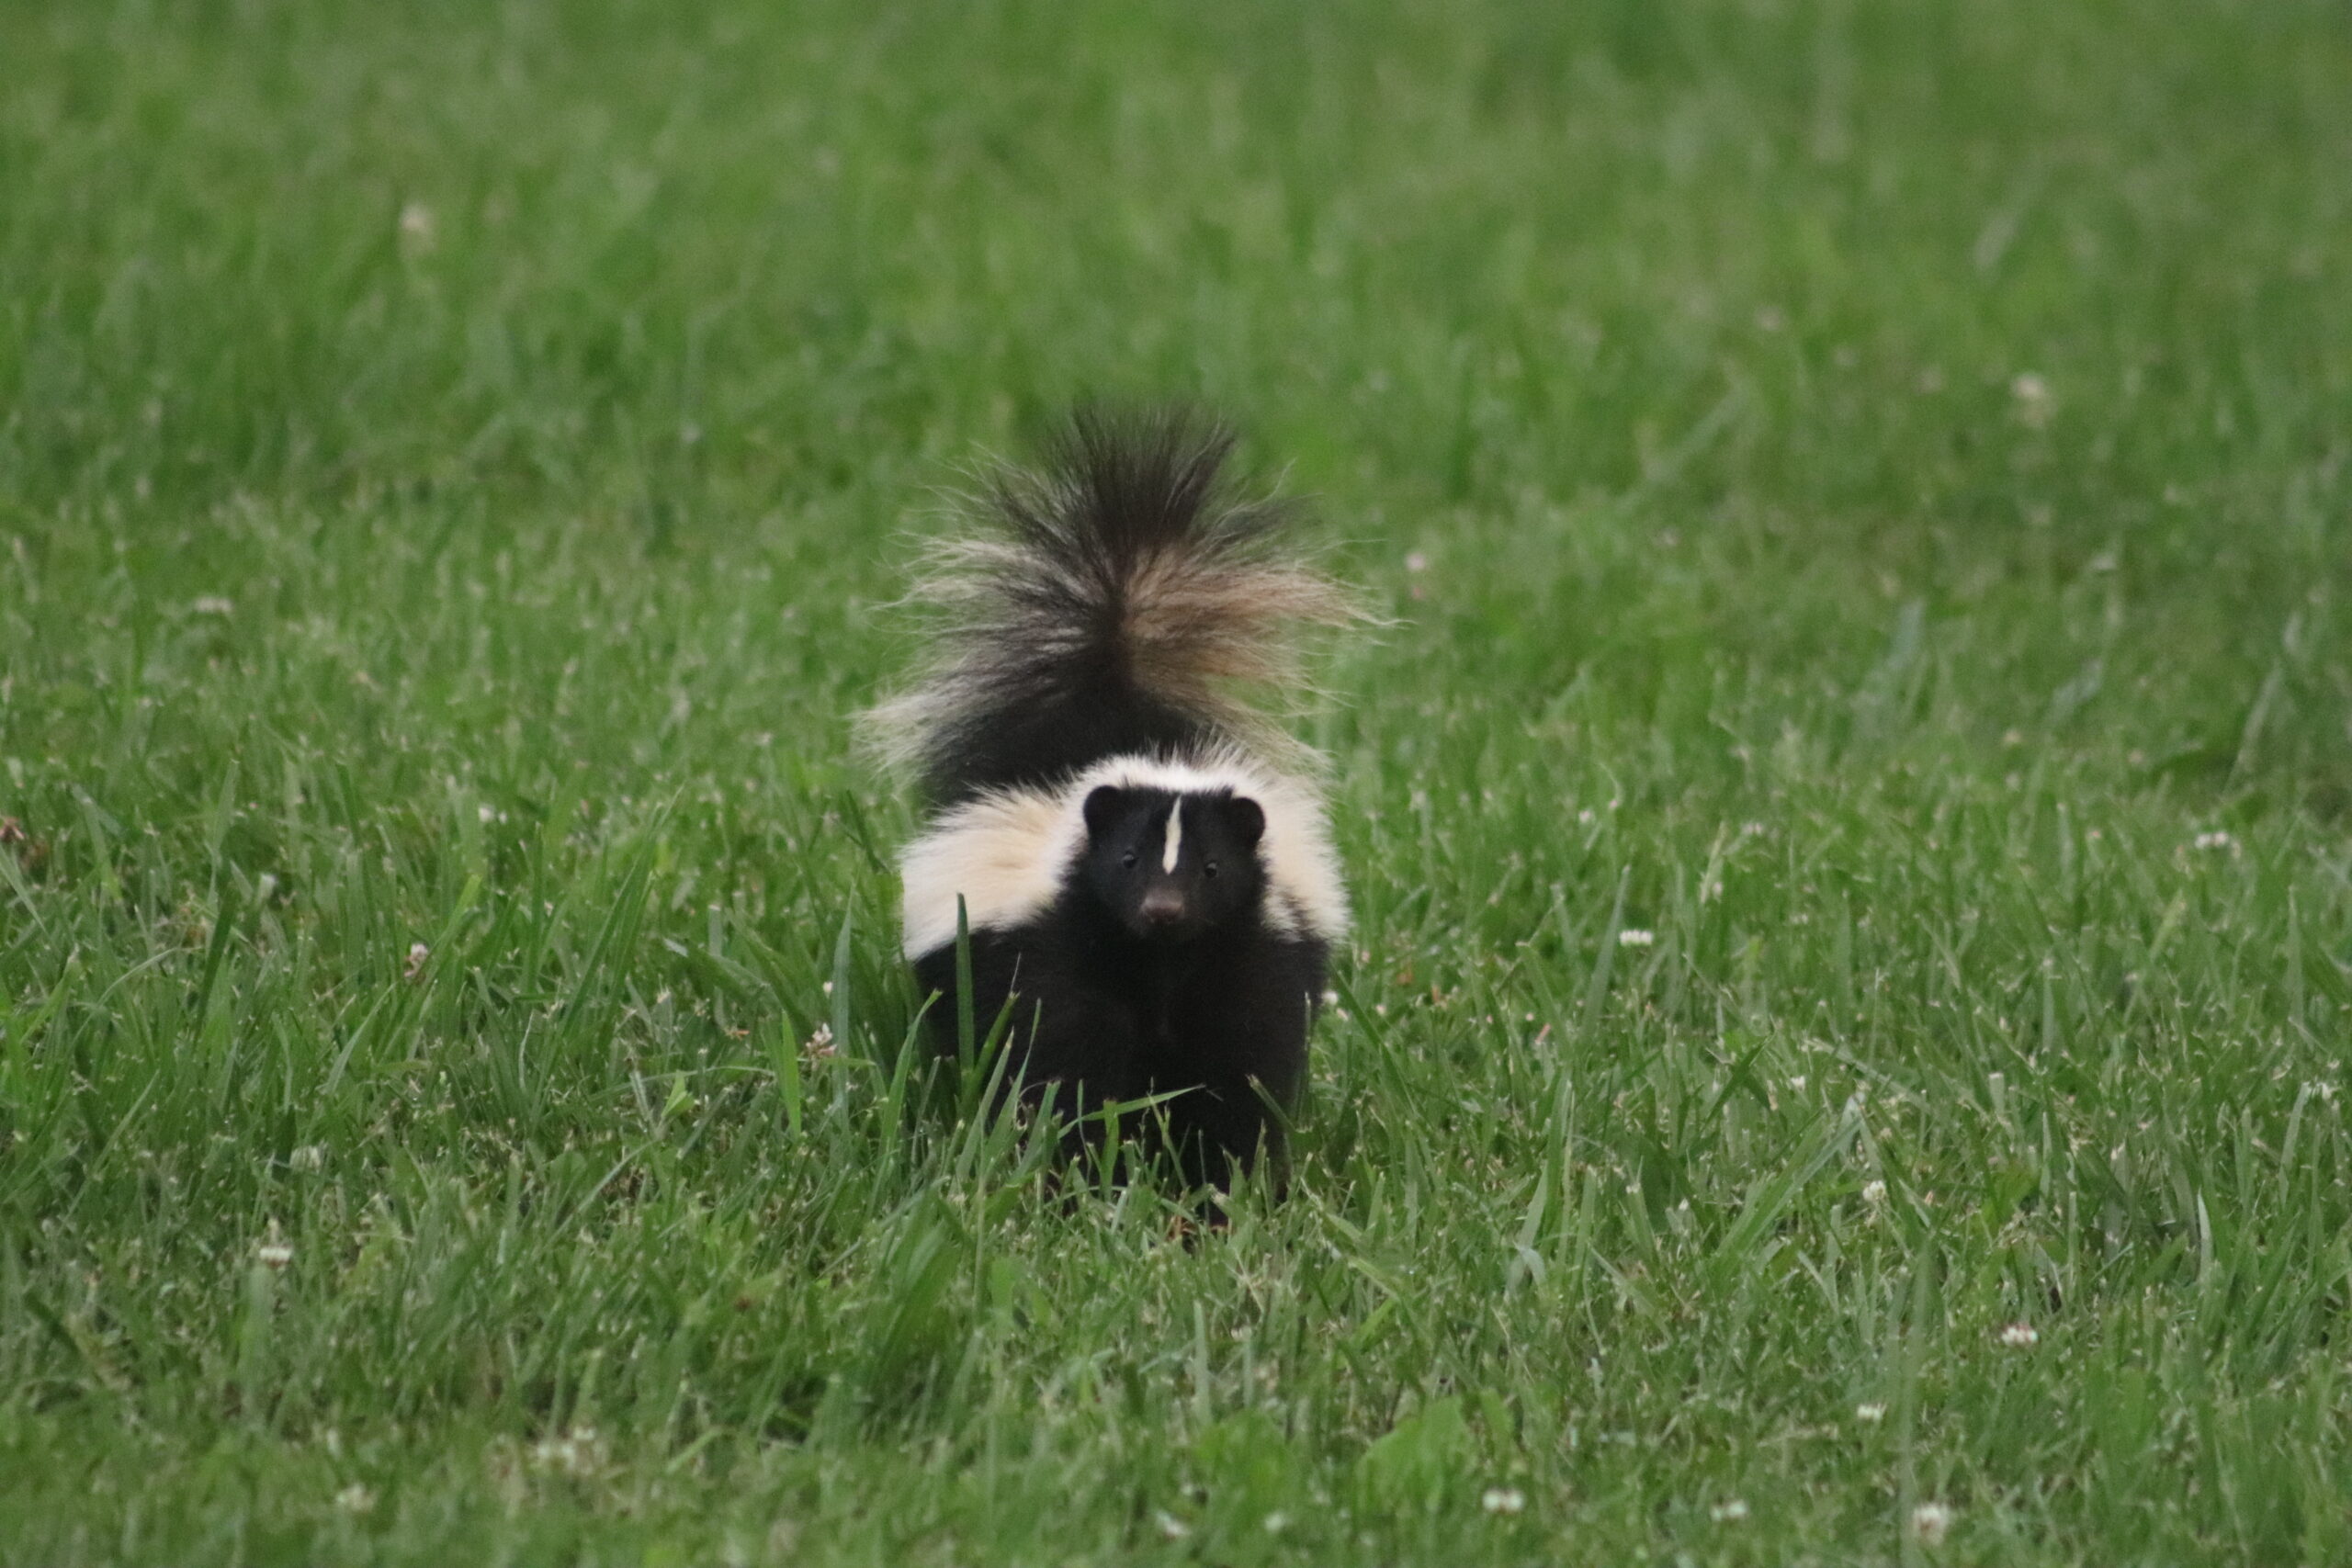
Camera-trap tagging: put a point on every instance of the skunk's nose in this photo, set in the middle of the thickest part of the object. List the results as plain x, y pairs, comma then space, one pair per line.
1162, 907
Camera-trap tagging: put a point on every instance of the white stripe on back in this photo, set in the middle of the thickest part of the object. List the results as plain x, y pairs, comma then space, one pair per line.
1008, 853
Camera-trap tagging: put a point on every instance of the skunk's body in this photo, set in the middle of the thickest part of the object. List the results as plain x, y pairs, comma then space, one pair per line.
1152, 890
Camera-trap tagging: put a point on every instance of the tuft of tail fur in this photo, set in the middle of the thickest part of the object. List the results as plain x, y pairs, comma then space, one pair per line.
1122, 598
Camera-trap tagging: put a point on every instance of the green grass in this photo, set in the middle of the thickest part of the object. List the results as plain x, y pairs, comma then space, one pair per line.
1863, 490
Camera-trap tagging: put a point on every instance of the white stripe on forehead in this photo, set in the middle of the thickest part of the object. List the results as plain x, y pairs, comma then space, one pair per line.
1008, 853
1175, 833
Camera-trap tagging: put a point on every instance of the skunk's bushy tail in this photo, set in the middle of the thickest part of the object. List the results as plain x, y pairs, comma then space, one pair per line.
1121, 598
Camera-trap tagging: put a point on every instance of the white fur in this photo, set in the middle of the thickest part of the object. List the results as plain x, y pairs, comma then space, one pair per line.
1008, 853
1175, 834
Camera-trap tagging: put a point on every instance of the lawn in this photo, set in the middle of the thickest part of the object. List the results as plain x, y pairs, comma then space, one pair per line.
1842, 1060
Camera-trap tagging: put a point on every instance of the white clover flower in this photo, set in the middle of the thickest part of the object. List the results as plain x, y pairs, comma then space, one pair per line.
1929, 1523
1874, 1192
1729, 1512
418, 227
417, 954
2020, 1336
577, 1452
1502, 1499
2032, 395
1630, 937
2216, 840
273, 1252
1871, 1412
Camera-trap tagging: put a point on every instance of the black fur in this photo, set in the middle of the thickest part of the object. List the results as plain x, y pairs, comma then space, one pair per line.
1139, 981
1116, 492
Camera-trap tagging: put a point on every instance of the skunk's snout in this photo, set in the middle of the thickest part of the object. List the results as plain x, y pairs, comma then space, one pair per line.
1162, 907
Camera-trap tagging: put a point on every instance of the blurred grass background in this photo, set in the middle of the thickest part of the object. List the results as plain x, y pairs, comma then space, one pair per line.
1863, 489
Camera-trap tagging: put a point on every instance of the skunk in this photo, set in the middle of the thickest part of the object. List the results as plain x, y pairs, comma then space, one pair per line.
1141, 857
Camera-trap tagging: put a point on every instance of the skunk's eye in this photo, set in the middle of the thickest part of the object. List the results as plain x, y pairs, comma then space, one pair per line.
1128, 860
1208, 868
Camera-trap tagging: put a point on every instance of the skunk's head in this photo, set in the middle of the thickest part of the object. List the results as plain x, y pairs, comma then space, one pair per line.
1170, 866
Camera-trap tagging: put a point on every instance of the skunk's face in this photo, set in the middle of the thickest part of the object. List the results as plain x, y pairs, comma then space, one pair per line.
1172, 867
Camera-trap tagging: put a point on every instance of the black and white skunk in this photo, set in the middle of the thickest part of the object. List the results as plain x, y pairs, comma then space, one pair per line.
1141, 857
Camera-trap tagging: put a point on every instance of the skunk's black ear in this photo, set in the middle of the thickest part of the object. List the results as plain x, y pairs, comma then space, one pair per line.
1248, 820
1103, 808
